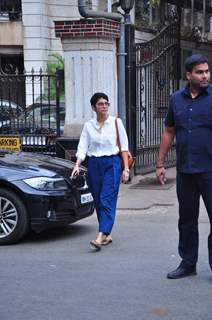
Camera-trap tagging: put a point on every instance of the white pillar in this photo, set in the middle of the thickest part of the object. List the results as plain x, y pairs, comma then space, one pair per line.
90, 66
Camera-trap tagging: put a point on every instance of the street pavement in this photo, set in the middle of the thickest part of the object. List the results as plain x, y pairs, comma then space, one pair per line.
56, 276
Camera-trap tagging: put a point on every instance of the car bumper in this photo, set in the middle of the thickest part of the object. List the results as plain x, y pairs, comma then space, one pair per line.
55, 207
57, 210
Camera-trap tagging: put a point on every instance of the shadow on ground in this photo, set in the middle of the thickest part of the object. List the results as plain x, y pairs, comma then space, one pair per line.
58, 233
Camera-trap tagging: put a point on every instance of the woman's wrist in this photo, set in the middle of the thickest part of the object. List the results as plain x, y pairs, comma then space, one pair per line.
159, 166
127, 170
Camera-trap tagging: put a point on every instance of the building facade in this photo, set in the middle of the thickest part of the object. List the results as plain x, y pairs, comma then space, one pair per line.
27, 40
27, 35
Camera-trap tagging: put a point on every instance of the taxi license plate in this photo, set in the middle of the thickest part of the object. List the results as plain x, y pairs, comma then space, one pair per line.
85, 198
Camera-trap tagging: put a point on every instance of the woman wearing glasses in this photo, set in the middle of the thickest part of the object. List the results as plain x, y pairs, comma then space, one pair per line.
98, 141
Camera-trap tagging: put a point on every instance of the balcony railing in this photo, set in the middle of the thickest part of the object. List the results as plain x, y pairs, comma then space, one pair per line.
10, 10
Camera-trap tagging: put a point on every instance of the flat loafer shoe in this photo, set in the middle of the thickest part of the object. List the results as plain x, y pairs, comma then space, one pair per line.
181, 272
95, 245
107, 240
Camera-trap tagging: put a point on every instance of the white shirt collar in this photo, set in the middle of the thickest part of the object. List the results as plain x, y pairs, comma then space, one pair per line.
96, 123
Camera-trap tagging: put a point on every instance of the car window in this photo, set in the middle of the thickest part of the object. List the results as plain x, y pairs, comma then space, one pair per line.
6, 113
34, 114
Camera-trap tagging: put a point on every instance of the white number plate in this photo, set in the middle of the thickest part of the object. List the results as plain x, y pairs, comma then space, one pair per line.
87, 197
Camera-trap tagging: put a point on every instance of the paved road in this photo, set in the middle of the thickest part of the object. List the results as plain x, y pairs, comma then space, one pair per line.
56, 276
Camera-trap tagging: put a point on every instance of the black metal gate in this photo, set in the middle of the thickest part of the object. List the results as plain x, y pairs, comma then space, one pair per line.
157, 76
30, 107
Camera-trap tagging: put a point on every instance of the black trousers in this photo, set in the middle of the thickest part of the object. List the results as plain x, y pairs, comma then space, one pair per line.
189, 189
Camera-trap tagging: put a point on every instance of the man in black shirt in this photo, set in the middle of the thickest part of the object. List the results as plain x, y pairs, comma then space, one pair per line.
189, 119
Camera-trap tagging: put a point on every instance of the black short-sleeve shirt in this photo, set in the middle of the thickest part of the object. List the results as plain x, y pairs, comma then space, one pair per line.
192, 120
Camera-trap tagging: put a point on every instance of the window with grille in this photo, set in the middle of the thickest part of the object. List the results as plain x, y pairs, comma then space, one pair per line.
10, 10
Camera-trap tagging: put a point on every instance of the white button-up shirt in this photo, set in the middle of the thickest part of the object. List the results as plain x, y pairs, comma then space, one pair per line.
101, 141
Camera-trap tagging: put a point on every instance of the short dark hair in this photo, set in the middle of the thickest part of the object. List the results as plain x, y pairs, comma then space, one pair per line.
98, 95
194, 60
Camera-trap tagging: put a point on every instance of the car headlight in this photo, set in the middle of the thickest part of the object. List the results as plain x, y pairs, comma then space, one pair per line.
47, 184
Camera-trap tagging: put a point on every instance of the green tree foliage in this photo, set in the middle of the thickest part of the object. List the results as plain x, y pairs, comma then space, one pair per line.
56, 62
142, 14
154, 2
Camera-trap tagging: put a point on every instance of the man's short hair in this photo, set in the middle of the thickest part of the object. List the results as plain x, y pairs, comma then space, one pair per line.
98, 95
194, 60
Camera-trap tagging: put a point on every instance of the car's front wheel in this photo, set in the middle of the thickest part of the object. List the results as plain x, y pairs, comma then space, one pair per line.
14, 220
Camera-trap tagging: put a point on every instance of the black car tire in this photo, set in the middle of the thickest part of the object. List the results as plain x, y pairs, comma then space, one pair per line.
14, 220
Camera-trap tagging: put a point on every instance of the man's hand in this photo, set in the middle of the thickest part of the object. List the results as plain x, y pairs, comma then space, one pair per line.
165, 145
161, 175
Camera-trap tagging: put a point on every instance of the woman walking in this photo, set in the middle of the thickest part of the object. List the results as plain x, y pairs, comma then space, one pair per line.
98, 141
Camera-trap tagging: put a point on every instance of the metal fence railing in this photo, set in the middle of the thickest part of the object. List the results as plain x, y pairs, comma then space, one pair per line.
30, 107
157, 76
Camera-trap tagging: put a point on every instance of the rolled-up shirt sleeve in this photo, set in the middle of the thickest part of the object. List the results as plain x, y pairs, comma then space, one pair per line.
122, 136
83, 144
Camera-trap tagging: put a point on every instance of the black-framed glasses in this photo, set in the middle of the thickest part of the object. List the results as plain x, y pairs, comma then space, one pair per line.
102, 104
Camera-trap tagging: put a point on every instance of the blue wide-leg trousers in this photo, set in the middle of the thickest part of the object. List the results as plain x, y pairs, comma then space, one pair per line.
104, 174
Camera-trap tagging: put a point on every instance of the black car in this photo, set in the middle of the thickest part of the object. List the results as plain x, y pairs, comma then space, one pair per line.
36, 191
